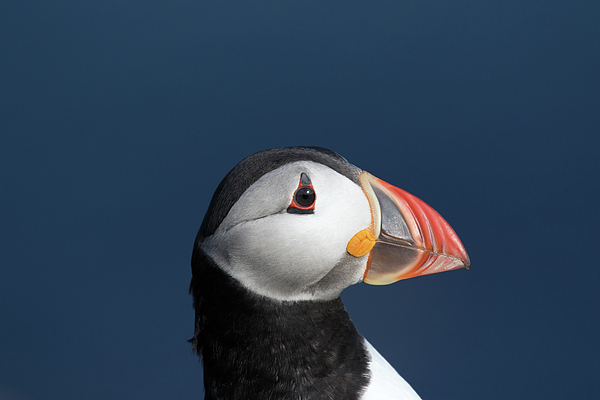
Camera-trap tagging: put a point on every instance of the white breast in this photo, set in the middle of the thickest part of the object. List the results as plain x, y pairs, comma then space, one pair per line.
385, 383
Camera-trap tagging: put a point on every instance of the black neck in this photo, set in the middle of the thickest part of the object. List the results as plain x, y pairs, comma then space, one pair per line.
256, 348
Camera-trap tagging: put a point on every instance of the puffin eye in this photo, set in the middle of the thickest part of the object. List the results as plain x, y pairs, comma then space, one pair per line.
304, 196
303, 201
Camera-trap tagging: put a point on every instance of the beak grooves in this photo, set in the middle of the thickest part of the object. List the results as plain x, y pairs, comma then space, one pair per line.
428, 228
412, 239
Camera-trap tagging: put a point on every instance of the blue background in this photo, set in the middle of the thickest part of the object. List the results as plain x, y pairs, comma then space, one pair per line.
119, 118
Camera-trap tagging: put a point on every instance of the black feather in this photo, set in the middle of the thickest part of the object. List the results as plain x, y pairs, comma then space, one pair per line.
253, 347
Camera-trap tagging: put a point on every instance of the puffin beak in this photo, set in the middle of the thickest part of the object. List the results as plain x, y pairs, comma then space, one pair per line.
408, 238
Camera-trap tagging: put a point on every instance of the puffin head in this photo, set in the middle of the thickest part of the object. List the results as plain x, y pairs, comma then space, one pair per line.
302, 223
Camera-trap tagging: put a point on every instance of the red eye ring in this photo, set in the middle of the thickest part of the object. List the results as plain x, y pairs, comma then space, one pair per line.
304, 198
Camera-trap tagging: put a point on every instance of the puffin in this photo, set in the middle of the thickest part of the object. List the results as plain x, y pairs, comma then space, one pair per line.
286, 231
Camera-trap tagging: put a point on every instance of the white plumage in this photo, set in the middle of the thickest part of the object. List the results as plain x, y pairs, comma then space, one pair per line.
386, 383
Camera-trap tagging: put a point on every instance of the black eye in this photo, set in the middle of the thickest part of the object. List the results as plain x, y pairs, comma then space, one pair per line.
304, 196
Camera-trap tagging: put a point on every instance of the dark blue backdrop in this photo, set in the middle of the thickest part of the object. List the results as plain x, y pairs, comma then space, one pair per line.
119, 118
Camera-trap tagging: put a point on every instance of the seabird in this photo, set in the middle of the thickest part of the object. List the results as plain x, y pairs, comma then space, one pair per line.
285, 232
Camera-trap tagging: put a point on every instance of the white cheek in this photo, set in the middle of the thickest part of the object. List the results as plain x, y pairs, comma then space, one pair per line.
282, 255
279, 251
286, 253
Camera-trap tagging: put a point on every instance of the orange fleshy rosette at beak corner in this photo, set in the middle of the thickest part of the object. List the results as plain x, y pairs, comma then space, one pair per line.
410, 237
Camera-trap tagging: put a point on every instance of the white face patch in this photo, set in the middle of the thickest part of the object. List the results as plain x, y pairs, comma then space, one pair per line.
287, 256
